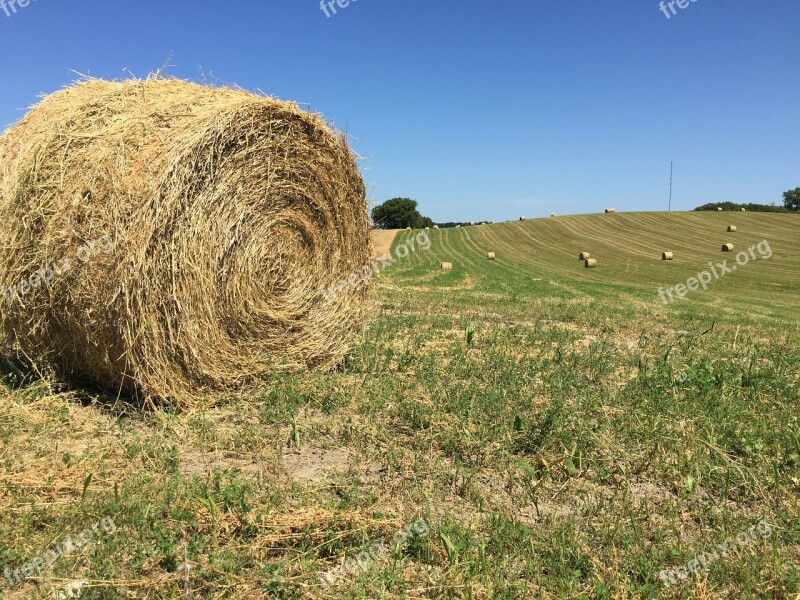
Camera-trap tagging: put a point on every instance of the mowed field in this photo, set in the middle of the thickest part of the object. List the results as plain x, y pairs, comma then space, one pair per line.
561, 432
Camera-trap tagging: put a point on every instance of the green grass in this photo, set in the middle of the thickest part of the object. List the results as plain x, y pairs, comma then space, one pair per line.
563, 433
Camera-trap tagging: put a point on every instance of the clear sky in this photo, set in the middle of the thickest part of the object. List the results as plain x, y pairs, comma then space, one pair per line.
479, 110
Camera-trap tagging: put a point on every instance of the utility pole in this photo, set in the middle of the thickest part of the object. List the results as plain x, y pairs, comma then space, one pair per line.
670, 186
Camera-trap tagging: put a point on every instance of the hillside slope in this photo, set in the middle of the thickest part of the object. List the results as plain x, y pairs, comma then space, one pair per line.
539, 259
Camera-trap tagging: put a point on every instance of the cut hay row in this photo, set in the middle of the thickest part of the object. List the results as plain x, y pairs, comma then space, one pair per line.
224, 229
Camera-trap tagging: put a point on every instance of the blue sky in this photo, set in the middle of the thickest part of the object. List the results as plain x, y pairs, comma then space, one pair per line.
479, 110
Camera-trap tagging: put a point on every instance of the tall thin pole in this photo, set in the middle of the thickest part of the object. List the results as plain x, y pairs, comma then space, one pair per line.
670, 186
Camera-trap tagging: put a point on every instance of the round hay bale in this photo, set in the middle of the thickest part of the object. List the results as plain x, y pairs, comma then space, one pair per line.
610, 210
744, 210
552, 215
727, 247
458, 226
446, 266
490, 256
472, 222
436, 227
731, 228
590, 263
427, 229
228, 213
408, 228
584, 256
666, 256
719, 208
522, 218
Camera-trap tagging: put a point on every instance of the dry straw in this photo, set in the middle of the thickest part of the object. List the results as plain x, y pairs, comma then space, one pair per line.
584, 256
731, 228
590, 263
727, 247
490, 256
446, 266
610, 210
228, 211
666, 256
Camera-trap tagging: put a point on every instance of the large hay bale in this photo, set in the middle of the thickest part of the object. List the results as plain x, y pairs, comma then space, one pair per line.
590, 263
727, 247
490, 256
719, 209
228, 212
610, 211
584, 256
666, 256
522, 218
744, 210
446, 266
436, 227
731, 228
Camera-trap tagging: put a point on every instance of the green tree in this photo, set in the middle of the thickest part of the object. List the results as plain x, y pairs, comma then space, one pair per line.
399, 213
791, 199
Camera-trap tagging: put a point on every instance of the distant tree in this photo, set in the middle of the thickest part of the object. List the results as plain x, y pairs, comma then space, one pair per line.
750, 207
399, 213
791, 199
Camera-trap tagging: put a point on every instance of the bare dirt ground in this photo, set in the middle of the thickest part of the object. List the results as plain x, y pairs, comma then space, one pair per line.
382, 241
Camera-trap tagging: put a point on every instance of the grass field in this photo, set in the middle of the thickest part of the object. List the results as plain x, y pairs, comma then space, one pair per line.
561, 431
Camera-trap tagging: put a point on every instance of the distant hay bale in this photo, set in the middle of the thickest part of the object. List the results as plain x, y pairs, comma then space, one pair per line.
666, 256
590, 263
522, 218
490, 256
584, 256
446, 266
610, 210
719, 208
472, 222
408, 228
744, 210
228, 213
552, 215
458, 226
436, 227
427, 229
731, 228
727, 247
